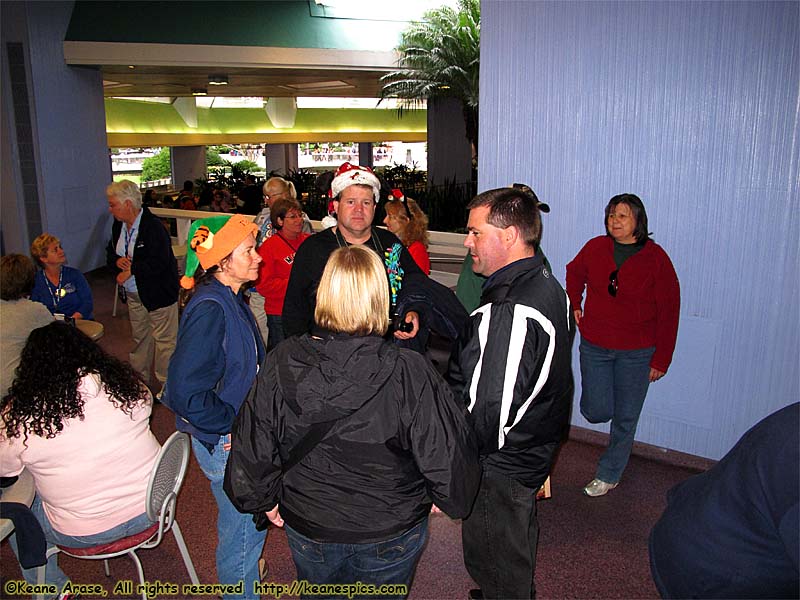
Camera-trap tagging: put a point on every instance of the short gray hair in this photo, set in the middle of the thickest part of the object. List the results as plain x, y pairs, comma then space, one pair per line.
124, 190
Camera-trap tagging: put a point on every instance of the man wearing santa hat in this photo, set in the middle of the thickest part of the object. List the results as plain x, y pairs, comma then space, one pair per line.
356, 191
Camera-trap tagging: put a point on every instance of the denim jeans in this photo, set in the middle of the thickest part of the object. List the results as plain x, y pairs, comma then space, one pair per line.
53, 573
391, 561
613, 387
275, 331
499, 537
239, 544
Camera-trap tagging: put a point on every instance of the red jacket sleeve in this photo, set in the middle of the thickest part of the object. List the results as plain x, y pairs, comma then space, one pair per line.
668, 306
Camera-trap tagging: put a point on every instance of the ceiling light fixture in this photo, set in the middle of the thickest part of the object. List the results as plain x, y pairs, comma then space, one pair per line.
199, 91
217, 80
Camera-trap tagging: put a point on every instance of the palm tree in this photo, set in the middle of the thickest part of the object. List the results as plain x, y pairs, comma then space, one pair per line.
440, 58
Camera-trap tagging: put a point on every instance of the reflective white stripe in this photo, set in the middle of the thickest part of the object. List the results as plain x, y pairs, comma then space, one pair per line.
569, 309
483, 335
519, 329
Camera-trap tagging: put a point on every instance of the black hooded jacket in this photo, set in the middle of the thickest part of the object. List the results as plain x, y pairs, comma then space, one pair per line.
512, 367
400, 440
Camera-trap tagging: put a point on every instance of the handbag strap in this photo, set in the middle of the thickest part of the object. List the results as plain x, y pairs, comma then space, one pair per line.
316, 434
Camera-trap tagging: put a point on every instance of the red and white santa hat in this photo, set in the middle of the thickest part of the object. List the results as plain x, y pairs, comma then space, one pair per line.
349, 174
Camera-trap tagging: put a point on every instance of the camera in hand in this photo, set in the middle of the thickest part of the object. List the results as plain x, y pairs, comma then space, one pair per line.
398, 324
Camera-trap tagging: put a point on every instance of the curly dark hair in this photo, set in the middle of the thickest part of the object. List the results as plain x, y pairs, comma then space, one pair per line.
45, 390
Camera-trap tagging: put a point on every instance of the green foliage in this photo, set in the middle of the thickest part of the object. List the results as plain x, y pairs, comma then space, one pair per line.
246, 166
409, 179
158, 166
213, 158
440, 58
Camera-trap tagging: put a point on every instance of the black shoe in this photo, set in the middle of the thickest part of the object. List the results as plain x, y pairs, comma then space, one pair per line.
476, 594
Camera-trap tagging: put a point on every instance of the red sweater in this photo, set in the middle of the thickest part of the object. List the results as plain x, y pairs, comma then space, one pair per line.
277, 256
644, 312
421, 257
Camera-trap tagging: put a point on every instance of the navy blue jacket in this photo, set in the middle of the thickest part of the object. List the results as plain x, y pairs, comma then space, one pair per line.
153, 264
734, 531
215, 362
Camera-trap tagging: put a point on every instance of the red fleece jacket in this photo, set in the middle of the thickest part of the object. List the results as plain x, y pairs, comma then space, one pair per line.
644, 312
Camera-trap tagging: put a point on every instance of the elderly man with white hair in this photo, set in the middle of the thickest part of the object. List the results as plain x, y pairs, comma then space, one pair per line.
141, 251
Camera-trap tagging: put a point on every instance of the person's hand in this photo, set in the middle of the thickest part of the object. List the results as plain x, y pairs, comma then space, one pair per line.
578, 316
413, 318
274, 517
77, 315
124, 263
123, 276
655, 374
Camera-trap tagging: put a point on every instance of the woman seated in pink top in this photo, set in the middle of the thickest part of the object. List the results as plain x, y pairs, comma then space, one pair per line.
405, 219
78, 420
277, 254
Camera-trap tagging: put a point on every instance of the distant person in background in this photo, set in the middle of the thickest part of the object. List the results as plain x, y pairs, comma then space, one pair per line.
277, 254
274, 189
250, 196
149, 198
185, 200
734, 531
18, 314
405, 219
62, 289
141, 250
628, 325
222, 201
206, 198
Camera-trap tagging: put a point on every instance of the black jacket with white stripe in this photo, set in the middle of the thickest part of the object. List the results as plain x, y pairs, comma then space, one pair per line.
512, 368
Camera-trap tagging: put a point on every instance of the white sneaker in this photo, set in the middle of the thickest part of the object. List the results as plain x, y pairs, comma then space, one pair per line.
597, 487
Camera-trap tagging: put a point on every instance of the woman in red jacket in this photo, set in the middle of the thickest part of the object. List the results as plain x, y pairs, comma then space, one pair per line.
628, 325
277, 253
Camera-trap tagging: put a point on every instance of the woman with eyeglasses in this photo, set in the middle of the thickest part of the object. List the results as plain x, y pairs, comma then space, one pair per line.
405, 219
628, 325
277, 257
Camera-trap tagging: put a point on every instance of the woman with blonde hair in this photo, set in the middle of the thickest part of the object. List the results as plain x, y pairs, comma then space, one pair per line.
355, 437
62, 289
405, 219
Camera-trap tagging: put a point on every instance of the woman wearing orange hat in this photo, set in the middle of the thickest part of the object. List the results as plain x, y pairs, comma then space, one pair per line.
216, 359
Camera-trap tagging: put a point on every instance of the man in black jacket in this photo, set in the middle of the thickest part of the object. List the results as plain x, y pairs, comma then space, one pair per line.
511, 366
356, 192
141, 251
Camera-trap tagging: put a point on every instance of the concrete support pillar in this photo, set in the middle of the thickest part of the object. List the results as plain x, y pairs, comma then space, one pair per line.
188, 162
365, 158
449, 152
281, 158
55, 163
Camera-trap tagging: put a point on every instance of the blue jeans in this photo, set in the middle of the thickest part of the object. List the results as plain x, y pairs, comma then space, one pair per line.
275, 331
388, 562
239, 544
613, 387
53, 574
500, 536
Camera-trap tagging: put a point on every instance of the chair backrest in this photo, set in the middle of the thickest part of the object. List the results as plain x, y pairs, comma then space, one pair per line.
168, 472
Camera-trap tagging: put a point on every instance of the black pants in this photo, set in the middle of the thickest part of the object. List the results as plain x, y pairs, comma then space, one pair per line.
500, 536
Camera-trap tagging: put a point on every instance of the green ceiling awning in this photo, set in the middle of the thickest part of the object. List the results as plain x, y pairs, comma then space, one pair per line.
133, 123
